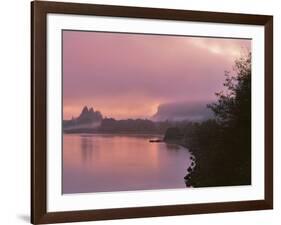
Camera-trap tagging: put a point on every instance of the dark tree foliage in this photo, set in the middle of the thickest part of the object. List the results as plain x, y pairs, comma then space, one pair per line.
234, 105
222, 147
173, 133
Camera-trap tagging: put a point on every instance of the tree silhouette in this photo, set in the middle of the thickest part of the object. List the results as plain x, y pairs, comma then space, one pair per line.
234, 105
223, 147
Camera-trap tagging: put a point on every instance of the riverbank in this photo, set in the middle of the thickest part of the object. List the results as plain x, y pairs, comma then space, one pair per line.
220, 160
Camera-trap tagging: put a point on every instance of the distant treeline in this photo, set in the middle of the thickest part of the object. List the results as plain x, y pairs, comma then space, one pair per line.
136, 126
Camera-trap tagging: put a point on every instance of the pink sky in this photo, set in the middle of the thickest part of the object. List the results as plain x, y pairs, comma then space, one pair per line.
130, 75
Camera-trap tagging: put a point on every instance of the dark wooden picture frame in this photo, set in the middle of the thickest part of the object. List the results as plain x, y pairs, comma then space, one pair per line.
39, 11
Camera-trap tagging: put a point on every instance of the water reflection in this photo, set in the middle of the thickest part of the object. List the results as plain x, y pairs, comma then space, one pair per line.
99, 163
172, 146
86, 148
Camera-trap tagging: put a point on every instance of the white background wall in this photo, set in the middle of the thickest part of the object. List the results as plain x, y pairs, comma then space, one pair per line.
15, 111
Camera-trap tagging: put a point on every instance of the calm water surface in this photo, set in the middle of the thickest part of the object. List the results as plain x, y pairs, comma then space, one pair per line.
102, 162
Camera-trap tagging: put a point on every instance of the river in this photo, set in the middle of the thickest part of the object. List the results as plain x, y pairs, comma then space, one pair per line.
106, 163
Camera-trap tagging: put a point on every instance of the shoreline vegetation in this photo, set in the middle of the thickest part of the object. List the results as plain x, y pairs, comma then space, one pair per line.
220, 146
217, 162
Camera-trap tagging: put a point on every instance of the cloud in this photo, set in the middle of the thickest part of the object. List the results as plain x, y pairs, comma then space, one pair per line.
128, 75
230, 48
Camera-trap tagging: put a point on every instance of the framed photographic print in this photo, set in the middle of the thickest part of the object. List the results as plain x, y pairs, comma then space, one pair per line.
142, 112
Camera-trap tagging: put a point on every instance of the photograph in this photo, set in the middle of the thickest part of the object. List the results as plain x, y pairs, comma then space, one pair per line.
139, 112
148, 111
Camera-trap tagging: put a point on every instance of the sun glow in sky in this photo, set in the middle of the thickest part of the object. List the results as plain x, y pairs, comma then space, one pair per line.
130, 75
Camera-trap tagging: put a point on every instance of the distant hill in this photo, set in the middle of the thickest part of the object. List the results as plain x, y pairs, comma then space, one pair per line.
88, 119
179, 111
168, 115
